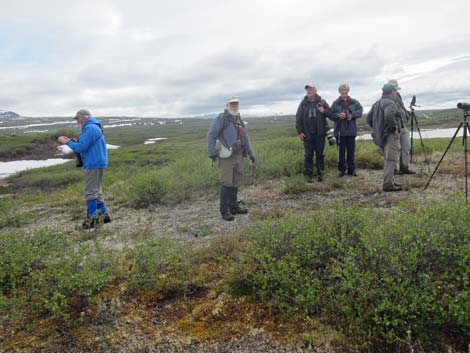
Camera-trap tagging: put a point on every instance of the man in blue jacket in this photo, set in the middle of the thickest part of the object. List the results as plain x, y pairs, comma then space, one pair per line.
228, 144
344, 112
91, 146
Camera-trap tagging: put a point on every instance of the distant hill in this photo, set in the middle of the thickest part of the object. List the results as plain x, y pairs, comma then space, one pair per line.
8, 114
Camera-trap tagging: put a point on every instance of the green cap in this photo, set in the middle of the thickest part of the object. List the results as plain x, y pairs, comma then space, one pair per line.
82, 112
395, 82
389, 87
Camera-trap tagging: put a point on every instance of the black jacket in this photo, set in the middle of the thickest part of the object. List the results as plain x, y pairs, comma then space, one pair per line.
309, 120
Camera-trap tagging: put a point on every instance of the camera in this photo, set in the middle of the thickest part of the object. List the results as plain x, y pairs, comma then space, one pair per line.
331, 139
78, 158
464, 106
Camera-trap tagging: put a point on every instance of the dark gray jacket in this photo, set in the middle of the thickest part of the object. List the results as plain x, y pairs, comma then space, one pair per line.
351, 107
309, 120
384, 119
228, 135
404, 114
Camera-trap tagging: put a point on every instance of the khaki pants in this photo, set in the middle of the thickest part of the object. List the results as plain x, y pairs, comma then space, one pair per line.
231, 170
93, 180
405, 147
392, 156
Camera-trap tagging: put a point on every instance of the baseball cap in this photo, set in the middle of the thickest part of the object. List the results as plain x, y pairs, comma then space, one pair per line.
389, 87
395, 82
82, 112
233, 99
311, 85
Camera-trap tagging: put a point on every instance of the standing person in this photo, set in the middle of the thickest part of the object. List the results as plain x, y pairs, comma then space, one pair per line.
311, 128
405, 142
384, 119
228, 144
344, 112
91, 146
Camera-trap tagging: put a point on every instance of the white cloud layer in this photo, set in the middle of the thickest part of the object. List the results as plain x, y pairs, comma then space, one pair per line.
160, 58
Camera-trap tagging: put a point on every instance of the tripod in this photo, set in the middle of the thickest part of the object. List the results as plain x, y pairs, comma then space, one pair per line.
466, 130
414, 121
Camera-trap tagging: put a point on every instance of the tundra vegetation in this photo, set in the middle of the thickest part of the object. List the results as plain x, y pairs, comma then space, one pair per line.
340, 265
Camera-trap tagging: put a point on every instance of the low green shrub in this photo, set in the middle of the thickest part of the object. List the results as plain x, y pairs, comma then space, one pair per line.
10, 215
386, 279
49, 178
295, 184
56, 274
159, 265
369, 160
171, 184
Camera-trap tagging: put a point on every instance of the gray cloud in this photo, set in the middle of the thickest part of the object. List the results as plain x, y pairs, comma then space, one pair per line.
159, 58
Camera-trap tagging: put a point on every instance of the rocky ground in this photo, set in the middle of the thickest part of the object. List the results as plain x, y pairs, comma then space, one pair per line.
199, 219
158, 328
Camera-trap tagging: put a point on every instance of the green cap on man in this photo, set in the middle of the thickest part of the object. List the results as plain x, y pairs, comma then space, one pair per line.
389, 87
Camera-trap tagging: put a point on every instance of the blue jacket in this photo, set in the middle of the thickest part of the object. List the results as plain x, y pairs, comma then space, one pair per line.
91, 145
351, 107
228, 136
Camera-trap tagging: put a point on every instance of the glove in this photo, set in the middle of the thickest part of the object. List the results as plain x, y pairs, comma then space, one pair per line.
214, 157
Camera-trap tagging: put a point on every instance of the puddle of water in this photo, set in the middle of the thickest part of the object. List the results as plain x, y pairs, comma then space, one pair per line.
10, 168
116, 125
71, 123
425, 134
155, 139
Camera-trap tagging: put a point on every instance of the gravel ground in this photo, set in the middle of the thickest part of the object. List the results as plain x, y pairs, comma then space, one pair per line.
199, 220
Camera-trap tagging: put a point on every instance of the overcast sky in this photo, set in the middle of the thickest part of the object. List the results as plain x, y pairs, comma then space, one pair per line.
183, 58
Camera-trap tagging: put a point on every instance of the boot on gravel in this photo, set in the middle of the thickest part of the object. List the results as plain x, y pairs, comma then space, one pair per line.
225, 203
235, 207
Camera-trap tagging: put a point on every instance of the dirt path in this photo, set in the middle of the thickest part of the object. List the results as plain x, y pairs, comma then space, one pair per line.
199, 219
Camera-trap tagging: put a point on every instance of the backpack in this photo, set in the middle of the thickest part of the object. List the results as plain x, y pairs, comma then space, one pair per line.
376, 120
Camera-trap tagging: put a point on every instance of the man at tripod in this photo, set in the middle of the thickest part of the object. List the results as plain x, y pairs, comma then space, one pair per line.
404, 166
384, 119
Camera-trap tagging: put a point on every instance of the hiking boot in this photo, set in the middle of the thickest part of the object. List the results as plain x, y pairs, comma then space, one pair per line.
309, 179
392, 188
238, 209
353, 174
341, 174
225, 197
406, 171
235, 207
227, 216
320, 177
104, 218
90, 222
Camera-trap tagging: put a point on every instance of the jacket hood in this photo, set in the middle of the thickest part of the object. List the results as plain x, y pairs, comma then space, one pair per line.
92, 120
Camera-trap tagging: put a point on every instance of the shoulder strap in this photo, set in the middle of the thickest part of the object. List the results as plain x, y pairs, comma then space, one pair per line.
225, 123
